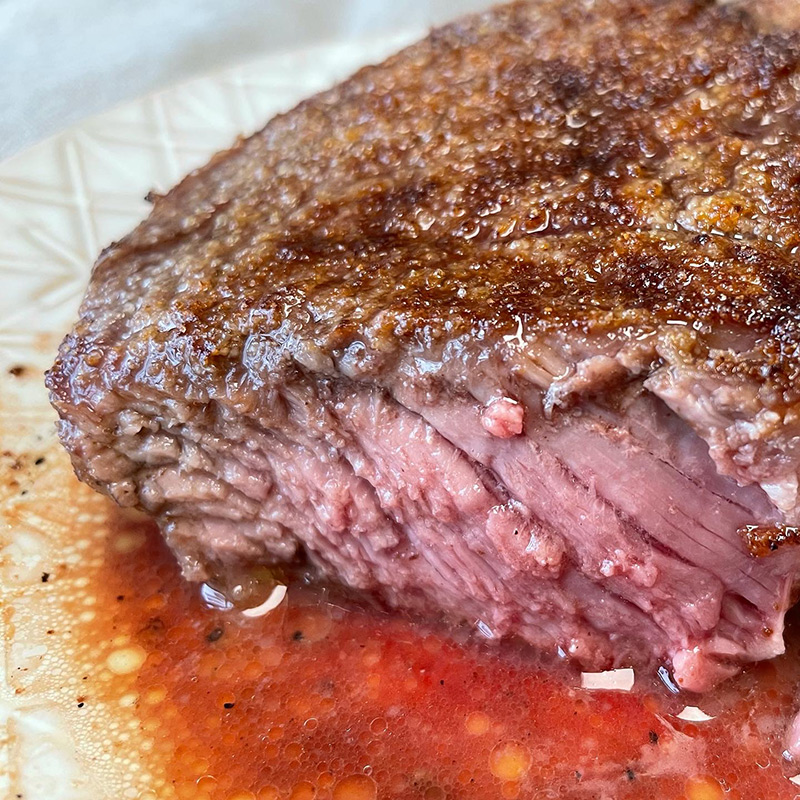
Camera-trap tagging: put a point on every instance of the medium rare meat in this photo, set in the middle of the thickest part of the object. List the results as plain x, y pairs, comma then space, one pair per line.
504, 329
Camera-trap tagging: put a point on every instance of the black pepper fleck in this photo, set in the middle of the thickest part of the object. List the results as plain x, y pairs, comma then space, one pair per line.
228, 705
630, 774
215, 635
297, 635
653, 737
80, 705
45, 577
39, 461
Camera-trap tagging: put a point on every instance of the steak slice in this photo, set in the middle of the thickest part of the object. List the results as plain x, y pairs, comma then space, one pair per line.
504, 329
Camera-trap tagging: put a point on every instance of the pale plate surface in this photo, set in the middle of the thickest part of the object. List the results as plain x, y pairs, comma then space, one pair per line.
60, 203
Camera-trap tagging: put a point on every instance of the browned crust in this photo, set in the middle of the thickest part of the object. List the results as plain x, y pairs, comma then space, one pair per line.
608, 165
761, 540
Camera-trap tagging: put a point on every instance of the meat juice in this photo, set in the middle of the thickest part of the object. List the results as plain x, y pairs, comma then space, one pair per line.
325, 698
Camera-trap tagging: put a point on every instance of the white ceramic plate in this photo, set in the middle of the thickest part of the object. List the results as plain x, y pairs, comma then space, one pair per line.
60, 203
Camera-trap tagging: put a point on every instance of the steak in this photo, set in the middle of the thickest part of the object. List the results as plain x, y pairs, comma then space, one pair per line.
504, 330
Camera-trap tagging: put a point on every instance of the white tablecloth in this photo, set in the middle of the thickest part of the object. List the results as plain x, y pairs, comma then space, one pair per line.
66, 59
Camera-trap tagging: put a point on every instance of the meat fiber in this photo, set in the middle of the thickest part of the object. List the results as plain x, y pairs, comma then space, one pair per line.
503, 330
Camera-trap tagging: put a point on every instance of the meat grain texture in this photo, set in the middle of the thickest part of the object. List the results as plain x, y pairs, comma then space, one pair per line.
504, 329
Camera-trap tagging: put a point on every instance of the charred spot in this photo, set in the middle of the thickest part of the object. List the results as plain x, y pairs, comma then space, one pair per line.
569, 83
702, 239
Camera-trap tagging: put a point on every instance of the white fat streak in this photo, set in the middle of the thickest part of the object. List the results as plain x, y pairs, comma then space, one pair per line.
693, 714
784, 493
270, 604
619, 680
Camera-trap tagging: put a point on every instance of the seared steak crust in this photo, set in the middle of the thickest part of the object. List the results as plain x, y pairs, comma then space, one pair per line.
568, 226
602, 165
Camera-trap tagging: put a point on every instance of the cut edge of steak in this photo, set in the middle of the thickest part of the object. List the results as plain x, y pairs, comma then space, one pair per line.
504, 329
602, 534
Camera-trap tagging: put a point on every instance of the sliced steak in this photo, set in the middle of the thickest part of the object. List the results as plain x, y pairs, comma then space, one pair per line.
504, 329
